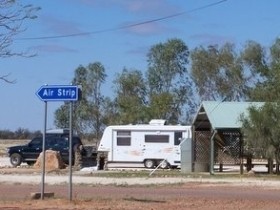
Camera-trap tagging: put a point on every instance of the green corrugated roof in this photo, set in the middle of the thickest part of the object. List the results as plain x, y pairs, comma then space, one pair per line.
226, 114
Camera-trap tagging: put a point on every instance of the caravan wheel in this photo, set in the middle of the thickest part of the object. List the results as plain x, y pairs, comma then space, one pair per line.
149, 163
164, 164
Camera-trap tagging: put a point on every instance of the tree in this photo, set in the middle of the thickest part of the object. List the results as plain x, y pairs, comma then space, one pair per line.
169, 84
268, 86
88, 113
261, 129
12, 18
22, 133
131, 97
62, 116
96, 77
111, 112
62, 113
219, 73
262, 126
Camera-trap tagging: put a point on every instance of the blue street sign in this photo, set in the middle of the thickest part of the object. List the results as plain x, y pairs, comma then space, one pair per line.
58, 93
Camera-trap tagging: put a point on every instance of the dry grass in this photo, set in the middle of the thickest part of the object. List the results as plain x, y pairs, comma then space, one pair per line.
4, 143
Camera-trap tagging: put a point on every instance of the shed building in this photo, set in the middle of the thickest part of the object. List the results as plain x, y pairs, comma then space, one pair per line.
217, 138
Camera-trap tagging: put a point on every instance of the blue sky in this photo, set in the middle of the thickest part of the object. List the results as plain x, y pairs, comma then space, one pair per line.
235, 21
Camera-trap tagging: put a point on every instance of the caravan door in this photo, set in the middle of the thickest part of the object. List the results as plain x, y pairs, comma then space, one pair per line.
126, 147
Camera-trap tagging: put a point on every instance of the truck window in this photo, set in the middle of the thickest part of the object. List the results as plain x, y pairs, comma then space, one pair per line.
177, 137
156, 138
36, 142
50, 142
123, 138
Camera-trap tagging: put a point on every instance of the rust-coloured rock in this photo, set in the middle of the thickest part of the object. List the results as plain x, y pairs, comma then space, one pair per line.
53, 160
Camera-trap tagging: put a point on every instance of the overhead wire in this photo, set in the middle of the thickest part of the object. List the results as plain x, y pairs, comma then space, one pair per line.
126, 26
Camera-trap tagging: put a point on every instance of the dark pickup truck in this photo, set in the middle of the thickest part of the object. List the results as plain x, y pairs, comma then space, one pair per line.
57, 140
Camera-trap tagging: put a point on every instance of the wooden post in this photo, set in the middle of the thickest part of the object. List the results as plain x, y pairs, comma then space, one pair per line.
221, 167
249, 163
270, 165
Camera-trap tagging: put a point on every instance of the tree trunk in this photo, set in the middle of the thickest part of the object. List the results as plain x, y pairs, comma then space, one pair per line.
270, 165
277, 155
277, 168
249, 165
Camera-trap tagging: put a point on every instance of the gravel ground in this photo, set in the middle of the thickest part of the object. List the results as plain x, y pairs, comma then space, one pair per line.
154, 193
34, 177
26, 175
93, 190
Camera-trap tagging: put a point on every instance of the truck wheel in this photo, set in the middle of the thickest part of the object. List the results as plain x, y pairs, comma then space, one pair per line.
149, 163
164, 164
16, 159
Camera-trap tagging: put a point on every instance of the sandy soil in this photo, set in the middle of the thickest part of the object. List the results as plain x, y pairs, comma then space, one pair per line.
134, 193
183, 196
94, 192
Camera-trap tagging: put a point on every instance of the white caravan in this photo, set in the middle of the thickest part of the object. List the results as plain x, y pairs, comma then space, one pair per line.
146, 144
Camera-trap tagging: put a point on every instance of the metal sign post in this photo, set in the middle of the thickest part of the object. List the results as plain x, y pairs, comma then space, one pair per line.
43, 152
70, 150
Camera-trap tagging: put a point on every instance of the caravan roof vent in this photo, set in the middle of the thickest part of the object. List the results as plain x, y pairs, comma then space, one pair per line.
157, 122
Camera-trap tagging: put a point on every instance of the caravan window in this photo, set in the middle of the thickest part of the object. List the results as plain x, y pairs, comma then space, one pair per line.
156, 138
123, 138
177, 137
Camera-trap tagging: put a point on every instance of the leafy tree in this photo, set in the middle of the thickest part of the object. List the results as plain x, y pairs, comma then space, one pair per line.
88, 113
254, 59
130, 97
262, 131
261, 127
255, 131
219, 73
111, 112
169, 84
12, 19
96, 77
160, 105
268, 88
62, 116
62, 113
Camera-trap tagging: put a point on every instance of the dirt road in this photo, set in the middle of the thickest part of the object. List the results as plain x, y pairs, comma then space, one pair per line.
99, 192
93, 190
183, 196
